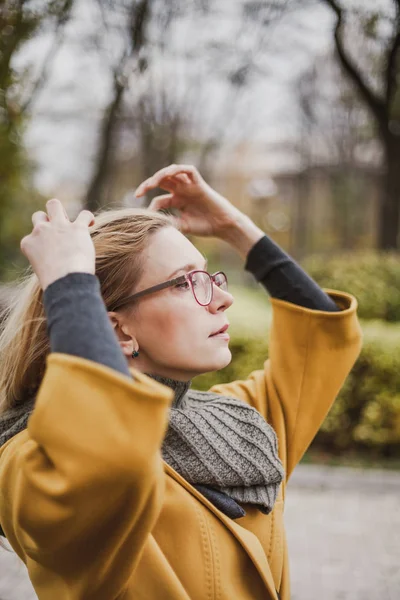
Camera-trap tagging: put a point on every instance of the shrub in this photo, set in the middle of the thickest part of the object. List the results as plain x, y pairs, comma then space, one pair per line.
374, 278
366, 414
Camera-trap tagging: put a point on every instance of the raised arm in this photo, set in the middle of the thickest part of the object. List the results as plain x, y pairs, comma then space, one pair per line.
82, 487
315, 339
315, 335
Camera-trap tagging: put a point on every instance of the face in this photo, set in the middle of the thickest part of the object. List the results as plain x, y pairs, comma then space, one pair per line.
168, 327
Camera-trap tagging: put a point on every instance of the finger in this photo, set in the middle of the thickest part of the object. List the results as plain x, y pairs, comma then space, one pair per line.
169, 171
56, 211
85, 217
160, 202
181, 178
140, 190
39, 217
188, 171
167, 183
181, 224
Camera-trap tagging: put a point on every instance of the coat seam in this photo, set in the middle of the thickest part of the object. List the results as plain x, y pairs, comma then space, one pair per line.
217, 566
271, 541
300, 389
207, 553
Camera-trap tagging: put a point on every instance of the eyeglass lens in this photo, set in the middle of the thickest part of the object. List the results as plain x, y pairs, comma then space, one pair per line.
202, 286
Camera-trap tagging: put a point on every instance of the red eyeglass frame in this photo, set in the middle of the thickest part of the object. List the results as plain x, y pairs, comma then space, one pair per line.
176, 281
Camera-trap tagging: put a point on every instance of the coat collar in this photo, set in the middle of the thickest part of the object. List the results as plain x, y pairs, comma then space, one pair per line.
248, 540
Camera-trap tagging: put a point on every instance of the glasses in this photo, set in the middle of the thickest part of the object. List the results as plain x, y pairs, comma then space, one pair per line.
200, 282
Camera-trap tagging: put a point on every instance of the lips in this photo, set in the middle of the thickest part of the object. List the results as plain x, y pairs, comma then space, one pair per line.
222, 330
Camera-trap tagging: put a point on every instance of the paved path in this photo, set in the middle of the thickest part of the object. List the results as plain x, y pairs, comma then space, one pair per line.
343, 528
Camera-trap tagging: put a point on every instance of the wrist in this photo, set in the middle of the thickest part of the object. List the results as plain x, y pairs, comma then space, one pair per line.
51, 278
242, 234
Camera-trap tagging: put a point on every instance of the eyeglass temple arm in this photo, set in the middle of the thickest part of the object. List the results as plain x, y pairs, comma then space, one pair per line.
150, 290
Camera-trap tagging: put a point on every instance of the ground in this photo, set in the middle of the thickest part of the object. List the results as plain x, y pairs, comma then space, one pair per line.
343, 528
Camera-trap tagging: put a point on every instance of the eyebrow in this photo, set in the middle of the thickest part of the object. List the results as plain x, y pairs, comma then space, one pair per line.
188, 267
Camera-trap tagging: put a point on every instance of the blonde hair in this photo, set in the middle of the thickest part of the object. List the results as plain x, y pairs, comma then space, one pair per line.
119, 237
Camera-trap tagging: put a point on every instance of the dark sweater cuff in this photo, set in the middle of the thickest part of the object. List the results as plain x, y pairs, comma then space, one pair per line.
265, 256
284, 279
78, 322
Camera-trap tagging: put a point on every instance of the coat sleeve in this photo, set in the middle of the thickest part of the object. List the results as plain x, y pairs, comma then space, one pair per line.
311, 353
81, 493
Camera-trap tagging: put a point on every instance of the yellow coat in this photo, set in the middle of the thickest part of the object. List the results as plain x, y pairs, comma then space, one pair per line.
89, 505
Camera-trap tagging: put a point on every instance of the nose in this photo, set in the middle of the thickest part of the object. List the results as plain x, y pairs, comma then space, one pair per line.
221, 300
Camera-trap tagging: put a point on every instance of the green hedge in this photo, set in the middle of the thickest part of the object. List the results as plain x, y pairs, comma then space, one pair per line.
374, 278
366, 415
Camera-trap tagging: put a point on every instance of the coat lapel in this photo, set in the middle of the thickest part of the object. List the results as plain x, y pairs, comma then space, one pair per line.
248, 540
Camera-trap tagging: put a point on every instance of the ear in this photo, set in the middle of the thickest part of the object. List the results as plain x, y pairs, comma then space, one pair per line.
125, 336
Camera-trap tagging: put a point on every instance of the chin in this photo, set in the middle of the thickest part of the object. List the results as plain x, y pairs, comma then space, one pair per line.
223, 360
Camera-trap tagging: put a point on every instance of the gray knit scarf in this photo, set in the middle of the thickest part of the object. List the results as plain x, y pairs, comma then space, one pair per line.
219, 444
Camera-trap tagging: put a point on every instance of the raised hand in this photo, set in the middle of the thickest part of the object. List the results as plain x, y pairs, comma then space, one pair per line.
56, 246
203, 211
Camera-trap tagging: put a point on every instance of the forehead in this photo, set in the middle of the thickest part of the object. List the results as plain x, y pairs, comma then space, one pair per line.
167, 251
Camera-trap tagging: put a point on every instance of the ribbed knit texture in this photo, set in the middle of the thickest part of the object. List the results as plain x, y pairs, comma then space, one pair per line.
15, 420
222, 442
219, 444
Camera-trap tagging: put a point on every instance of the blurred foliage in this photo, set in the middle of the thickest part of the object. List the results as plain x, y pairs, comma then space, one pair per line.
367, 44
19, 22
253, 301
365, 418
366, 415
373, 277
17, 200
247, 355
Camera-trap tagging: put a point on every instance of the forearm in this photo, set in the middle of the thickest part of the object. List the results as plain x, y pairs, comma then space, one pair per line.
284, 279
91, 464
78, 323
281, 276
242, 234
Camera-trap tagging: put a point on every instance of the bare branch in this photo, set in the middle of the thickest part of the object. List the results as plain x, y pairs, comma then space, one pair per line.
93, 196
137, 37
391, 68
393, 56
50, 56
137, 26
373, 101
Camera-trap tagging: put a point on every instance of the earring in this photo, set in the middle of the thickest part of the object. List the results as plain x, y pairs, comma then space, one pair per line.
135, 353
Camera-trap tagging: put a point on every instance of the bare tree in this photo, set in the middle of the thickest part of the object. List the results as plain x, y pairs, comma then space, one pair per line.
337, 137
166, 123
378, 86
137, 20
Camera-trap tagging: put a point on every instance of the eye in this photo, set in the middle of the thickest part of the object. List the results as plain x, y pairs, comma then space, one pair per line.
184, 286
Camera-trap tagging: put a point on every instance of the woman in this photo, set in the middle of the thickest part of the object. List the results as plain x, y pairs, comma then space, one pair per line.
124, 483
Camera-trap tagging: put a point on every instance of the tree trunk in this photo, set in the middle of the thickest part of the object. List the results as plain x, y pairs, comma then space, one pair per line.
300, 245
389, 213
95, 192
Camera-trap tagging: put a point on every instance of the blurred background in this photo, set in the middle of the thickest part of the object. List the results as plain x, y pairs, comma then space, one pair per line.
290, 108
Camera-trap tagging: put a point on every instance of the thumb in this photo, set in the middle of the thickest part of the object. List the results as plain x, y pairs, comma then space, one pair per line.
181, 224
159, 202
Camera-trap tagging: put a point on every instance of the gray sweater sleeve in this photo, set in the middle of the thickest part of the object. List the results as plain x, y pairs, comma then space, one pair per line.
284, 279
78, 323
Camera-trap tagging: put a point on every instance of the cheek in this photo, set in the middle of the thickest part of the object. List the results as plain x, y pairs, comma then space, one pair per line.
174, 325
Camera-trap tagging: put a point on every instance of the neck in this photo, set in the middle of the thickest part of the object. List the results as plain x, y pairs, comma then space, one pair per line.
180, 387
